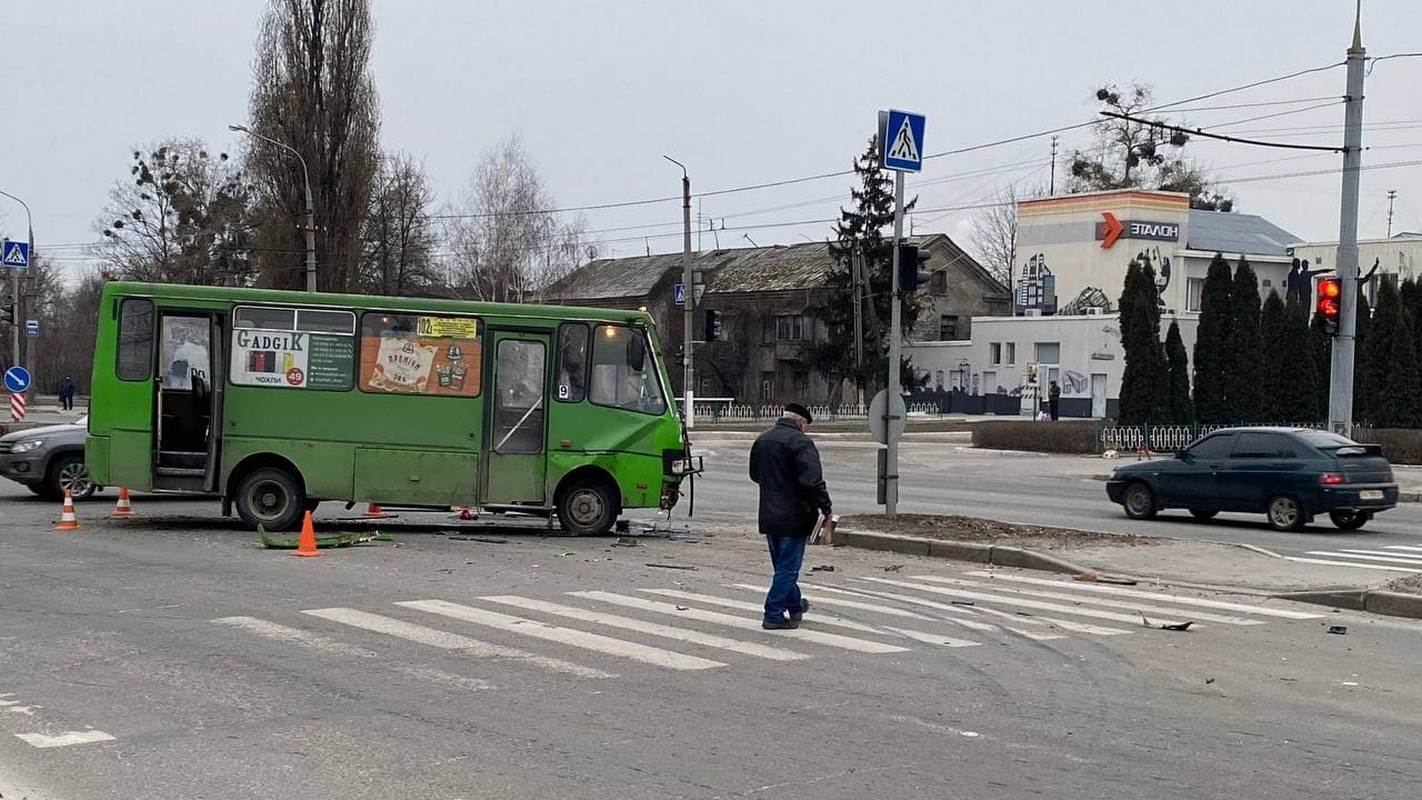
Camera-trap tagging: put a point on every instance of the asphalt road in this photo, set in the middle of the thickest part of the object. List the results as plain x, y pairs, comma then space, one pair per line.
945, 477
170, 656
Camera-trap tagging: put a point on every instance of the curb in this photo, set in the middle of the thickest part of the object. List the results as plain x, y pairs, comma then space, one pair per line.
1393, 604
998, 555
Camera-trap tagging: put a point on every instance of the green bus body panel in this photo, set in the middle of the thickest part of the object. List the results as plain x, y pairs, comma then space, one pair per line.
361, 446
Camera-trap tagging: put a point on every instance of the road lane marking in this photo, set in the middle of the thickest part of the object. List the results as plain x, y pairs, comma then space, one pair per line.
740, 623
66, 739
1410, 557
572, 637
1401, 547
1354, 564
834, 601
649, 628
1094, 588
1383, 559
1039, 621
1094, 601
287, 634
933, 638
758, 608
444, 640
1024, 602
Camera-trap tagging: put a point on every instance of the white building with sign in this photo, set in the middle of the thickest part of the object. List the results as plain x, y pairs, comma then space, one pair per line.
1072, 255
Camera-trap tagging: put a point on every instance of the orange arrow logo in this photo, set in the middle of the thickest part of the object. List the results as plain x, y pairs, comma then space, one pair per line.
1112, 231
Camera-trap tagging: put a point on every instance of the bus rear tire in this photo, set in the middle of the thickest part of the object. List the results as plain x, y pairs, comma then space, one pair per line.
588, 508
271, 497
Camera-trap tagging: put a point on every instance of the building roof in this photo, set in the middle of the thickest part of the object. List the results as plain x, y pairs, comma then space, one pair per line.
1228, 232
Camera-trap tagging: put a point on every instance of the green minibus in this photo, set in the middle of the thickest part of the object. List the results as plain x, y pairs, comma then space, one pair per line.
277, 400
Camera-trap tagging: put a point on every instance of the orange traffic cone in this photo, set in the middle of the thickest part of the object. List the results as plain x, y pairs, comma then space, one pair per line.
306, 545
374, 511
123, 508
67, 520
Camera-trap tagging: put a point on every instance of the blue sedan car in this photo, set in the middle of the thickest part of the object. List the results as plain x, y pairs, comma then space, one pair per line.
1288, 474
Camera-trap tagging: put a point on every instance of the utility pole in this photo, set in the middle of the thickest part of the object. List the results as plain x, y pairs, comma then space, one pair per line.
688, 295
1052, 185
1391, 195
1340, 394
891, 475
856, 265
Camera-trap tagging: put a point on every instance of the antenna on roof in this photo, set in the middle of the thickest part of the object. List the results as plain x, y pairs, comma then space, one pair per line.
648, 243
746, 236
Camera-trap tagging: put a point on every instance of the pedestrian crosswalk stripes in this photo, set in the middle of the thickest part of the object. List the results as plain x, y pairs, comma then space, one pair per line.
434, 637
1406, 557
650, 628
1092, 599
1122, 591
716, 626
1393, 557
1353, 564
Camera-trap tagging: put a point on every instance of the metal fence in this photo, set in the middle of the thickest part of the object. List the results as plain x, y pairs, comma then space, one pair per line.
1169, 438
737, 412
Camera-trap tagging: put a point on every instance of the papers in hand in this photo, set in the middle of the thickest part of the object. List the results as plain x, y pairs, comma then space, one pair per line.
824, 529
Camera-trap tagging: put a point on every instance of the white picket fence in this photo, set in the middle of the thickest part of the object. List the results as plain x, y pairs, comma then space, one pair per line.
1168, 438
737, 412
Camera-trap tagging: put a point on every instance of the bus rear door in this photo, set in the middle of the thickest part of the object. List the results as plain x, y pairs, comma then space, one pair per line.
187, 400
514, 447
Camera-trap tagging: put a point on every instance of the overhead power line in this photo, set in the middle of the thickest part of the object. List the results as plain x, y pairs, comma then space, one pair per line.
1221, 137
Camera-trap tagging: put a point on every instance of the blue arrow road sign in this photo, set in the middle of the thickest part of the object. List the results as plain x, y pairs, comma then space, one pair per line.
16, 256
32, 327
901, 140
679, 294
17, 379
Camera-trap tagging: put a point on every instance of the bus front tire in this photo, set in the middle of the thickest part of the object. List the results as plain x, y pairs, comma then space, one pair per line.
588, 508
272, 498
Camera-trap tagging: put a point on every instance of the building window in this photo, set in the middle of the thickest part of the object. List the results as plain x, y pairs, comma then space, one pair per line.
703, 386
947, 327
1011, 353
938, 283
938, 380
1268, 283
802, 380
995, 353
794, 328
767, 386
1048, 352
1194, 288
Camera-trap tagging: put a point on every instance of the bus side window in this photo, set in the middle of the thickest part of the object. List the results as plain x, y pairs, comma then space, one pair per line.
572, 362
135, 340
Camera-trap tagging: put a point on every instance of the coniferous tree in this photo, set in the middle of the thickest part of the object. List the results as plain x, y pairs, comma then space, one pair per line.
1213, 340
1395, 382
1361, 375
1321, 345
1178, 408
1411, 292
1144, 382
1272, 348
1245, 392
1301, 387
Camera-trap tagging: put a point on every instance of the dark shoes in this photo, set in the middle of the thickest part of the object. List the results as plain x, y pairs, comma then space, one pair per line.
780, 625
804, 608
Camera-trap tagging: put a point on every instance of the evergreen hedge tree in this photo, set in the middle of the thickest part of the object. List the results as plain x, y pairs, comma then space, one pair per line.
1178, 410
1213, 341
1301, 384
1411, 292
1245, 387
1272, 352
1320, 344
1143, 385
1394, 378
1361, 359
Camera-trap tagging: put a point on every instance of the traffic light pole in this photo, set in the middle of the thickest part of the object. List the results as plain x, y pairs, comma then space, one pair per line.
1340, 394
891, 470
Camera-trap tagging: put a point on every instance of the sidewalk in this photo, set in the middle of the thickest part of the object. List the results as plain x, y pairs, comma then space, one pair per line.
41, 410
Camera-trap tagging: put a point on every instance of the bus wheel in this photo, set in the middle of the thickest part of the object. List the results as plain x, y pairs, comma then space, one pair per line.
588, 508
272, 498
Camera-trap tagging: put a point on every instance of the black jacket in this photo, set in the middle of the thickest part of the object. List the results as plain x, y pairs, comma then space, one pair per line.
793, 495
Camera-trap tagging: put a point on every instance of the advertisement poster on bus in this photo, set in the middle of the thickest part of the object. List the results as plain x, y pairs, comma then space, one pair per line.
292, 359
421, 355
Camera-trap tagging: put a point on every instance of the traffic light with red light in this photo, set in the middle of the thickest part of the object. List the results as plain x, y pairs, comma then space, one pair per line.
1330, 302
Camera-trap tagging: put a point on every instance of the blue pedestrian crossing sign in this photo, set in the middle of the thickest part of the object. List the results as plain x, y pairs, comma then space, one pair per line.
901, 140
16, 255
17, 379
679, 294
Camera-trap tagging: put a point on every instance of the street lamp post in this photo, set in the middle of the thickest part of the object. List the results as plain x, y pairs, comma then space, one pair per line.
15, 285
310, 206
688, 300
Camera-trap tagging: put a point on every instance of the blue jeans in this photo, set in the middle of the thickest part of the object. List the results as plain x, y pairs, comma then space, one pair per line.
787, 553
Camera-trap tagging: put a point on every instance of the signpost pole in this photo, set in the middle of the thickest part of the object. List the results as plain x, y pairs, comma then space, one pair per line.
1340, 392
891, 472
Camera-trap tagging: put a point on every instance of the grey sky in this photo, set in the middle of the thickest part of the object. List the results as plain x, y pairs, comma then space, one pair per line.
742, 92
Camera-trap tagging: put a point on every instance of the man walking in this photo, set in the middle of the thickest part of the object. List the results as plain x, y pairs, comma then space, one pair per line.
793, 497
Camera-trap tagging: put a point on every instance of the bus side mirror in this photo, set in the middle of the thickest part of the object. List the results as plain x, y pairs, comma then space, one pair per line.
636, 353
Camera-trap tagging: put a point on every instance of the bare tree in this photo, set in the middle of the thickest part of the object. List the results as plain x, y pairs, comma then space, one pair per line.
994, 235
69, 318
398, 239
180, 217
313, 91
507, 245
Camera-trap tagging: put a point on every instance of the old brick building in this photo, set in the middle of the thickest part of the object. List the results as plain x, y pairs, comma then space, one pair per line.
764, 295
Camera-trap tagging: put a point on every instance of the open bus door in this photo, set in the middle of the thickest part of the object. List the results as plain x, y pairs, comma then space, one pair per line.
187, 400
514, 450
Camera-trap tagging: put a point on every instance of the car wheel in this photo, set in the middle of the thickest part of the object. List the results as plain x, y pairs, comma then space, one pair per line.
1286, 513
68, 473
1203, 514
588, 508
1139, 501
272, 498
1349, 520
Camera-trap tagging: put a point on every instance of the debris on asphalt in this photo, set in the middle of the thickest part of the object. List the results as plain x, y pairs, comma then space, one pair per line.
484, 539
682, 608
1339, 630
671, 566
1209, 681
1166, 626
622, 526
1092, 576
961, 603
823, 568
893, 567
626, 541
566, 554
323, 541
